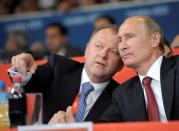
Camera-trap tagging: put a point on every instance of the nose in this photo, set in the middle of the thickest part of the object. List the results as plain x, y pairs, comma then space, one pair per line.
122, 45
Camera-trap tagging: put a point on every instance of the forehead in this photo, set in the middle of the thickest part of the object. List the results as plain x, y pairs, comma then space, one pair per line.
52, 30
105, 34
132, 26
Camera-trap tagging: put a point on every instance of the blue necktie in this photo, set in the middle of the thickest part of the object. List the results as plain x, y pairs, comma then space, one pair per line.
86, 89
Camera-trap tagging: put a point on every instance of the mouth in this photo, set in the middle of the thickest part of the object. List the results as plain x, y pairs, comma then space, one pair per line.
125, 56
101, 64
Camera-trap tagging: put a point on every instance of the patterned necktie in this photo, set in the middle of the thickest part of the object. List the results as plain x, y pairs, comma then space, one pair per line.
152, 108
86, 89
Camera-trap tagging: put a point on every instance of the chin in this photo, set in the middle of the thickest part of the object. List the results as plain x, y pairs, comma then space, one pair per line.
98, 73
128, 63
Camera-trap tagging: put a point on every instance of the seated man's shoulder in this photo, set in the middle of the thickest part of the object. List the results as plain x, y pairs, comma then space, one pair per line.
60, 60
112, 86
129, 84
60, 63
175, 59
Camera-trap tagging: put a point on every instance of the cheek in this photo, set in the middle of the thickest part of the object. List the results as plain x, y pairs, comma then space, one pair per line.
113, 63
91, 55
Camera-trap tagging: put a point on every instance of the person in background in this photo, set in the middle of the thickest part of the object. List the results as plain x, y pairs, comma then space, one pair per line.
63, 81
153, 95
17, 42
104, 20
57, 41
27, 6
38, 50
167, 49
6, 7
65, 6
92, 2
175, 42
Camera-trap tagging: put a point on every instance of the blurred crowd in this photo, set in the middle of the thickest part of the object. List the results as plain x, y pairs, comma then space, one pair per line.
56, 42
22, 6
56, 34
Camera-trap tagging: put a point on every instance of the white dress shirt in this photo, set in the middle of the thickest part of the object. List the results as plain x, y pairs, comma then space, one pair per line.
62, 51
93, 95
154, 73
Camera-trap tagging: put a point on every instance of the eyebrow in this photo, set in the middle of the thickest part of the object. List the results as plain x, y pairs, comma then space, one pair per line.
130, 33
99, 41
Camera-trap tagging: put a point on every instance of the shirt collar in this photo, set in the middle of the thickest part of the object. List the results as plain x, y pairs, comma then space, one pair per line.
154, 71
98, 87
62, 51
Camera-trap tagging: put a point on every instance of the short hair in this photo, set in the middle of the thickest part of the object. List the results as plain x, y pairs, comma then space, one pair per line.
20, 37
61, 28
113, 28
153, 26
110, 19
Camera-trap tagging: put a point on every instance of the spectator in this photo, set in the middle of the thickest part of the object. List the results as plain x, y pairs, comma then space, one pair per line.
38, 50
104, 20
47, 4
28, 6
175, 42
167, 49
57, 41
93, 2
17, 42
6, 7
66, 5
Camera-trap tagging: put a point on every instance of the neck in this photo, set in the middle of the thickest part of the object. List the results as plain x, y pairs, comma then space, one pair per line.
96, 79
58, 49
144, 67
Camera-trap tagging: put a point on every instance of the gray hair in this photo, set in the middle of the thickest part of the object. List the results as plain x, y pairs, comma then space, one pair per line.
21, 38
114, 28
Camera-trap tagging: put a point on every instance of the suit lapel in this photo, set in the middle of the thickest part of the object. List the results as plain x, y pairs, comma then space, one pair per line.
137, 106
72, 82
102, 102
167, 84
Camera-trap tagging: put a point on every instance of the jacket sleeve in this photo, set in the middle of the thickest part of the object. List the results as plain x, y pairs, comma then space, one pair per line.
42, 78
113, 113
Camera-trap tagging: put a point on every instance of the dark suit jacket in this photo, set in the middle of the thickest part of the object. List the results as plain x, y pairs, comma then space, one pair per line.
72, 51
59, 81
128, 103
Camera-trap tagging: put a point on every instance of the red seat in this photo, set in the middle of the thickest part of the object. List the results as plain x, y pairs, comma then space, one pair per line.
125, 74
175, 51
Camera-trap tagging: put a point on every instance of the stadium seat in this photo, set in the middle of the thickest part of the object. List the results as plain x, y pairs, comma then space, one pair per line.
175, 51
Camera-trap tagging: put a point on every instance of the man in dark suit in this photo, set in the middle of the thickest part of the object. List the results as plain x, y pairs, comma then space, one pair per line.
57, 41
153, 95
62, 79
56, 38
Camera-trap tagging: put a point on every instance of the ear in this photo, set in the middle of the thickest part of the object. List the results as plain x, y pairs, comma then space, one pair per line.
156, 38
